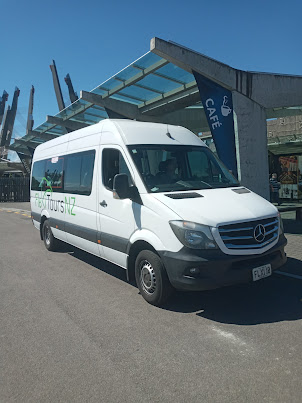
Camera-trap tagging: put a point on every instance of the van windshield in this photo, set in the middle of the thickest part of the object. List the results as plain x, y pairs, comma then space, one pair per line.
173, 168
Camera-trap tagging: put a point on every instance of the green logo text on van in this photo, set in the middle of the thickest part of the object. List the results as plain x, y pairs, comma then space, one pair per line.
44, 200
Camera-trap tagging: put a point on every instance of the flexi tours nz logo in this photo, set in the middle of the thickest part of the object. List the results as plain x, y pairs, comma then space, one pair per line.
45, 200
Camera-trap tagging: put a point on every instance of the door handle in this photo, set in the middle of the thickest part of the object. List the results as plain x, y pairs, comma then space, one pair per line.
103, 203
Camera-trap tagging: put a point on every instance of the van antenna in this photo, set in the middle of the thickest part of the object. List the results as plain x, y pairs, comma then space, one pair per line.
168, 133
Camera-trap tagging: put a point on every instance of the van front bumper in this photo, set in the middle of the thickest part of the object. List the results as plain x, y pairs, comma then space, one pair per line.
215, 268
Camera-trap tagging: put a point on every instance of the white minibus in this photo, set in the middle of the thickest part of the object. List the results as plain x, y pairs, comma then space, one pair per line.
153, 199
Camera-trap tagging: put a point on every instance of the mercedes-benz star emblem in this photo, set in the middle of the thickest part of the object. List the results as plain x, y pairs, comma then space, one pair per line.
259, 233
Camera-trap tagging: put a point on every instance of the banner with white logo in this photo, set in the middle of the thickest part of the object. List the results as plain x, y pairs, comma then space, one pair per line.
218, 105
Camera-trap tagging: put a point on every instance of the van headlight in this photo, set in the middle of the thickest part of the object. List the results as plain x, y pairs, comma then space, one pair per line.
192, 235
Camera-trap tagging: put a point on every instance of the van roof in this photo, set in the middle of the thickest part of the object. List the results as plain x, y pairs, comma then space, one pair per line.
134, 132
131, 132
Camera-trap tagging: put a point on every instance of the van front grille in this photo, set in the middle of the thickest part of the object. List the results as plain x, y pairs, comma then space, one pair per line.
251, 234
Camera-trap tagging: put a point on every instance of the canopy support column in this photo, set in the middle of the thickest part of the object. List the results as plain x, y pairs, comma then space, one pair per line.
251, 144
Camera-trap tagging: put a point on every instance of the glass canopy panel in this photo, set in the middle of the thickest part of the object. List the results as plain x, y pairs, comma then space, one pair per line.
147, 60
124, 98
93, 114
99, 91
77, 106
158, 83
97, 111
139, 93
44, 126
127, 73
57, 130
176, 73
89, 118
162, 80
109, 84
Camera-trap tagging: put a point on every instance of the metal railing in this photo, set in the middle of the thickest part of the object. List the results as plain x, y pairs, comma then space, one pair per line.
14, 189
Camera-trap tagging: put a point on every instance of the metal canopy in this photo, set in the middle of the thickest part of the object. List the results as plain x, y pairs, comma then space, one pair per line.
290, 144
149, 89
144, 83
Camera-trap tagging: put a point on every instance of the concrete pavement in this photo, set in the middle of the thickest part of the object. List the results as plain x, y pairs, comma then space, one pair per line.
72, 329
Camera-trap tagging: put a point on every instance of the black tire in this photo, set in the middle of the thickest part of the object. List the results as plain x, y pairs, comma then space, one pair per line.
50, 242
151, 278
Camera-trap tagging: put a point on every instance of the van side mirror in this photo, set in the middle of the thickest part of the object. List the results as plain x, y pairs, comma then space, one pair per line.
121, 188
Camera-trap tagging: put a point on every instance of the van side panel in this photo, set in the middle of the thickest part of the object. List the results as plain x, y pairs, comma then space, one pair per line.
80, 214
44, 204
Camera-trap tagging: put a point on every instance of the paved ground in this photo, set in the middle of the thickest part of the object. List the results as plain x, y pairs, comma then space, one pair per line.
72, 329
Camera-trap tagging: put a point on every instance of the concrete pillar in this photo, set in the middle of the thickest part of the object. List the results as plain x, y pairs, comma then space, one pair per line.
251, 144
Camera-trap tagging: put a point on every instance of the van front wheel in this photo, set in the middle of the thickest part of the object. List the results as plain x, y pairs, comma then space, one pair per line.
151, 278
50, 242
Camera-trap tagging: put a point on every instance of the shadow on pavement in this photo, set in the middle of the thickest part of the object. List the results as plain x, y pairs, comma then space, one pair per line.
274, 299
294, 266
95, 261
292, 226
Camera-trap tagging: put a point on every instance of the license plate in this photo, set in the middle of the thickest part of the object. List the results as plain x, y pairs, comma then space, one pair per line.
262, 272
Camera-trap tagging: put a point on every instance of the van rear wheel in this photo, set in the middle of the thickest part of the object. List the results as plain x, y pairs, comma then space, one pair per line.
50, 242
151, 278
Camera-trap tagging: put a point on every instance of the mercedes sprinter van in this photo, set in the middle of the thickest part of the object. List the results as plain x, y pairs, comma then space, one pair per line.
153, 199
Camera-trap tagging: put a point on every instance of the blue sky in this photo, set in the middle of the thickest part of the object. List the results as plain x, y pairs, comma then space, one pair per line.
92, 40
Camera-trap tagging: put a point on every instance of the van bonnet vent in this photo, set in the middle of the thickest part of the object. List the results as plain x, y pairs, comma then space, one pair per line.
241, 190
183, 195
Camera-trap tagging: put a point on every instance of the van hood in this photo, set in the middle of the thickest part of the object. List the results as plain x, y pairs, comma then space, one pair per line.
218, 206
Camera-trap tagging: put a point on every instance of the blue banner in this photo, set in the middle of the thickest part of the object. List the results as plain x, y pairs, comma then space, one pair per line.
218, 105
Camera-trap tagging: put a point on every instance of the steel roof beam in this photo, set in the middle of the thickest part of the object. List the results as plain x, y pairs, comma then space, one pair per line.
88, 113
69, 124
144, 87
130, 111
57, 86
156, 73
42, 135
172, 99
30, 119
269, 90
20, 148
282, 112
27, 143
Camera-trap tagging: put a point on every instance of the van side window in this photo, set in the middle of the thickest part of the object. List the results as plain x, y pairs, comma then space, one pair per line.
79, 173
113, 163
38, 173
54, 173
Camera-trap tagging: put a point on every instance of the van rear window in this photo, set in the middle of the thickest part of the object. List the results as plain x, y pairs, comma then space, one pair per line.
38, 174
71, 173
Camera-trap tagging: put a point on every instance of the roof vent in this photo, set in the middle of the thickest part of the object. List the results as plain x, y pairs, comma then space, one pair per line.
183, 195
241, 190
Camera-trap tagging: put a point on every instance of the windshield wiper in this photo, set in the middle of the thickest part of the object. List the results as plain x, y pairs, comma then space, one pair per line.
188, 186
210, 187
